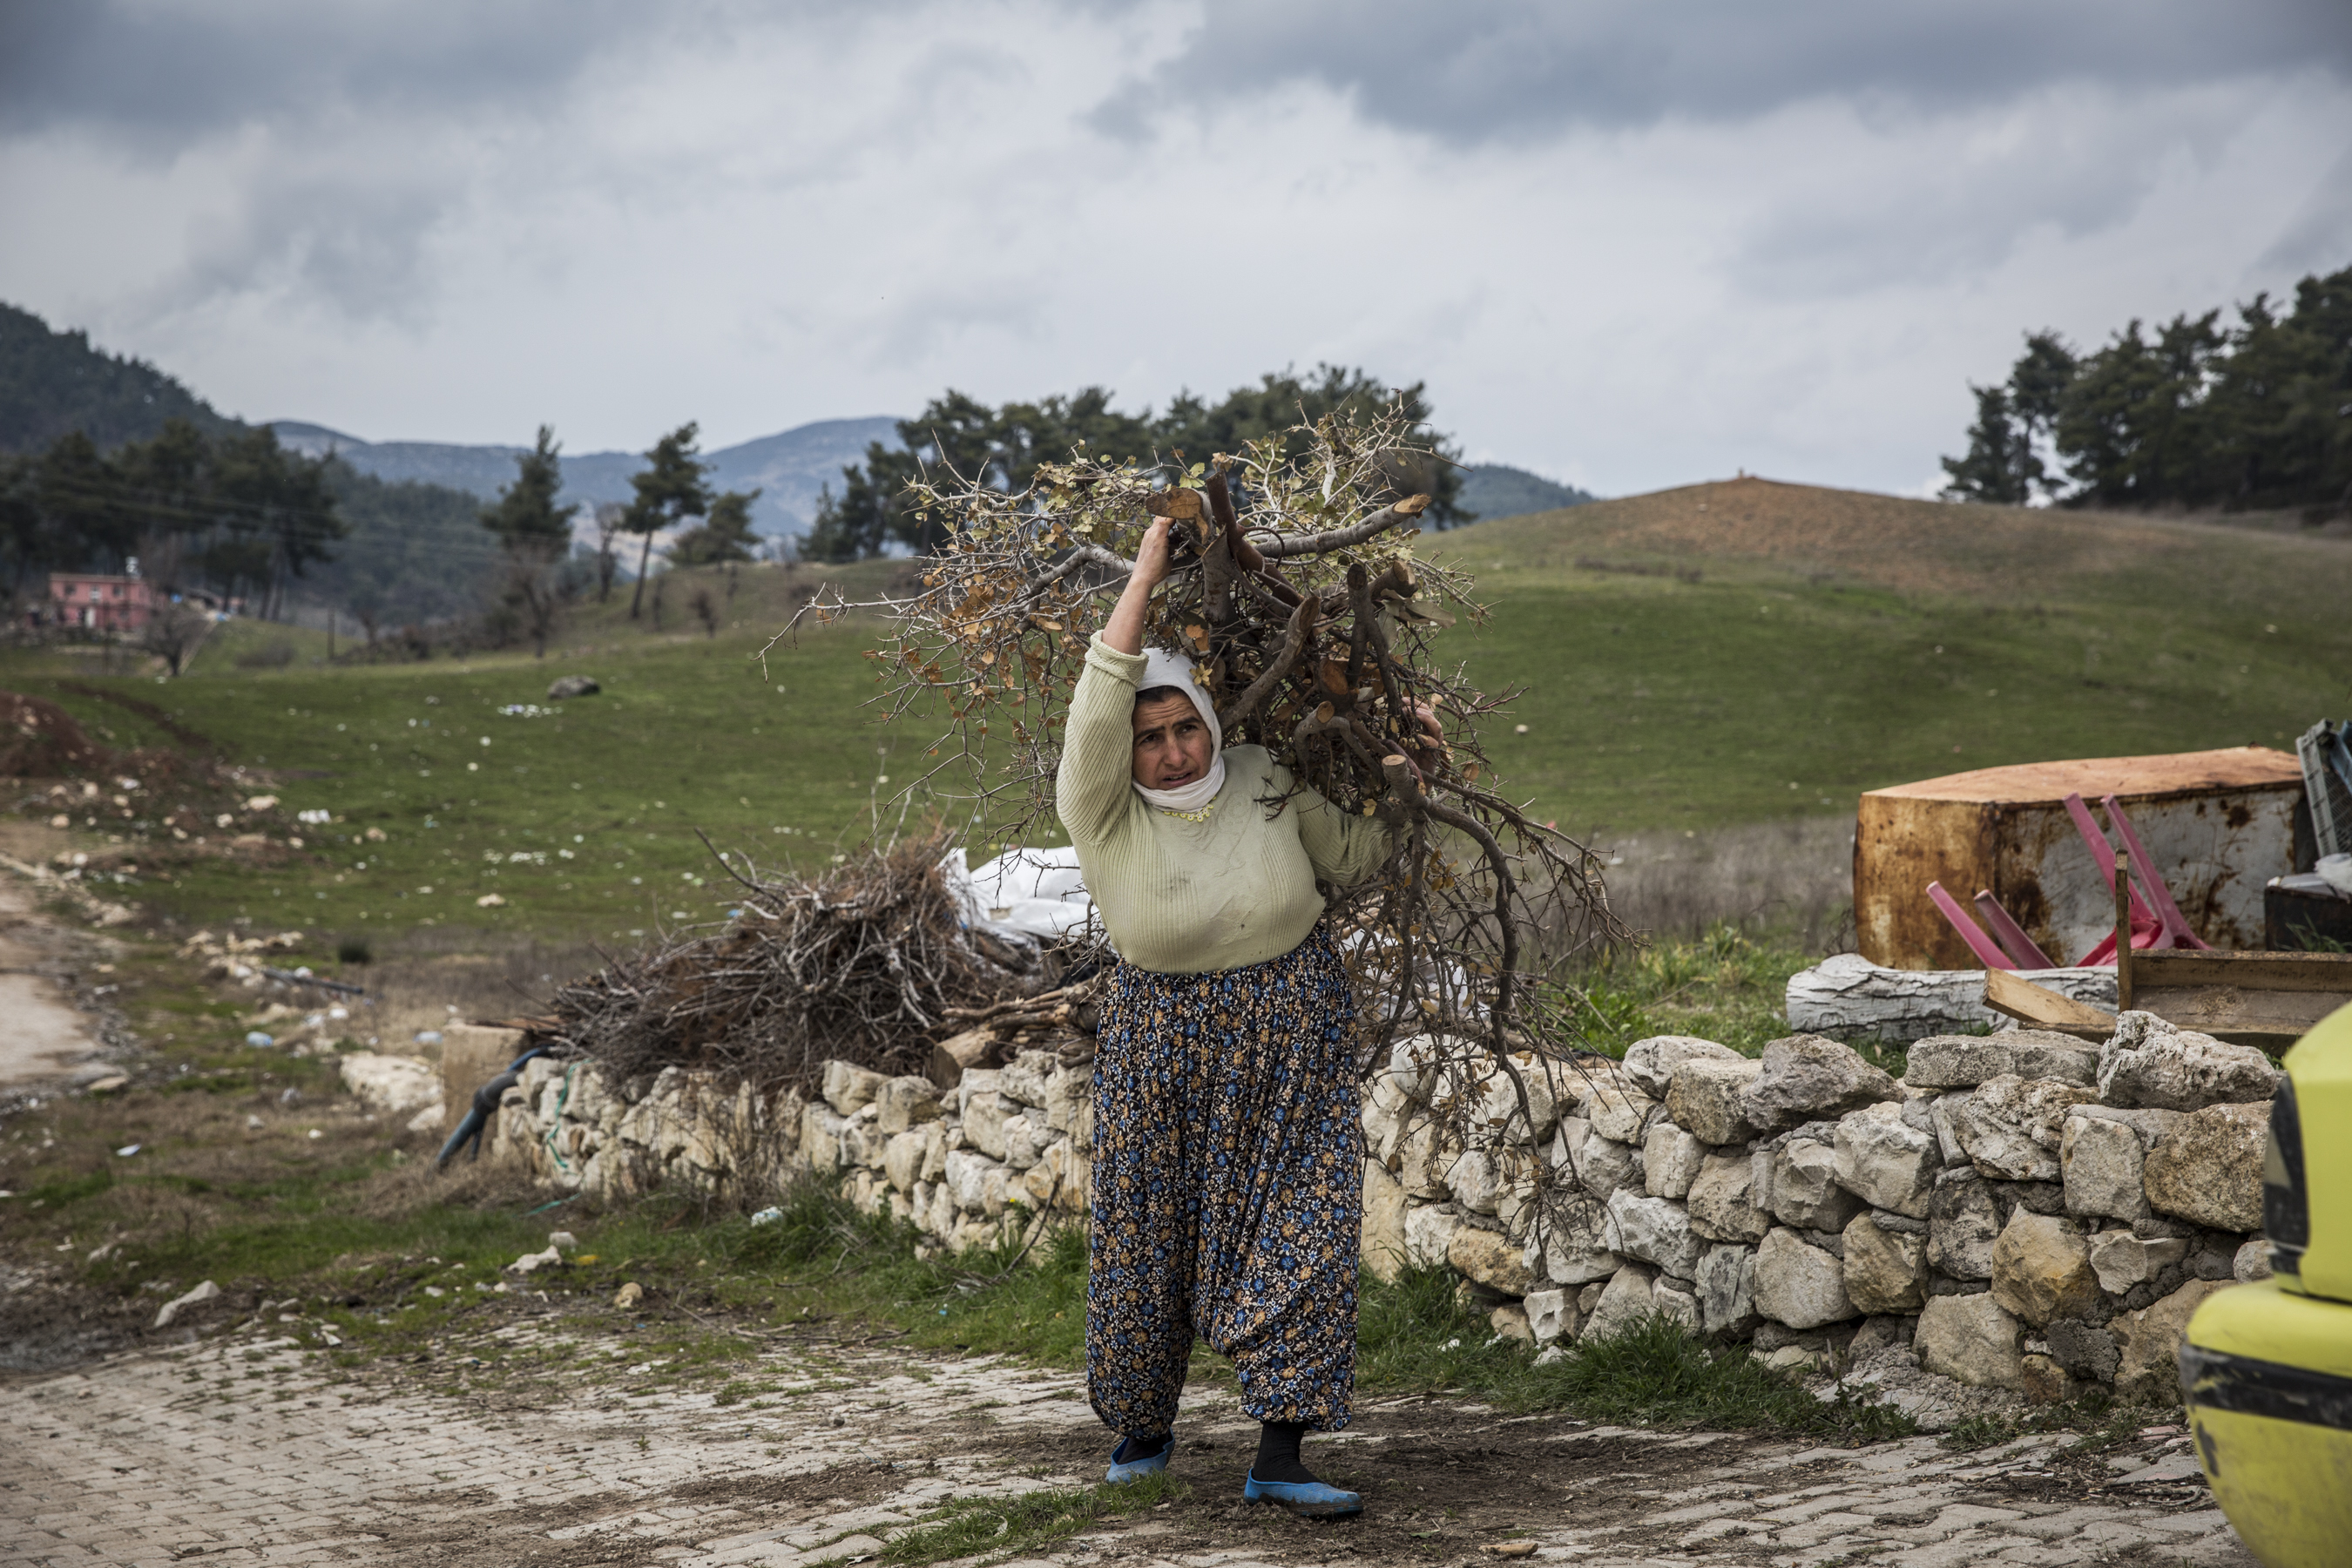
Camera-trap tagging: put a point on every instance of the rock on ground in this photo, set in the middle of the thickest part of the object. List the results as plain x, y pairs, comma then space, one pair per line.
1705, 1098
2010, 1127
2208, 1170
2041, 1269
1722, 1199
1800, 1284
1805, 1077
1964, 1061
1971, 1338
1651, 1063
1887, 1161
1885, 1270
2150, 1063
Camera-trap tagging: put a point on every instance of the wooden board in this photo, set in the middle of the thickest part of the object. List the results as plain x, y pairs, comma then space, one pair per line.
2266, 999
2038, 1005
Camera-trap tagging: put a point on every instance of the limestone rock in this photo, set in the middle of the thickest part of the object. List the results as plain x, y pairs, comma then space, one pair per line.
2010, 1127
1885, 1270
2083, 1348
984, 1116
2101, 1162
1488, 1258
1551, 1315
1509, 1321
1670, 1159
1068, 1092
1617, 1110
1654, 1230
1429, 1235
1727, 1291
849, 1087
204, 1292
1651, 1064
2041, 1269
1498, 1104
564, 687
1883, 1159
1476, 1180
1026, 1077
2208, 1169
1571, 1245
1964, 1061
1705, 1098
1798, 1184
903, 1101
2149, 1342
1603, 1164
1971, 1338
977, 1182
902, 1161
1024, 1140
1626, 1301
1722, 1200
1669, 1300
1386, 1115
1416, 1164
821, 1132
1805, 1077
1383, 1233
1963, 1223
1798, 1284
1058, 1180
2149, 1062
2120, 1260
390, 1085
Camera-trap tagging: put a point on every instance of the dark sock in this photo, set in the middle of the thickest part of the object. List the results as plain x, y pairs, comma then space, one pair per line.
1277, 1453
1133, 1448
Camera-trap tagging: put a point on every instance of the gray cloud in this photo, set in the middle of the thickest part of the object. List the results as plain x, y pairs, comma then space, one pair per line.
153, 74
1476, 69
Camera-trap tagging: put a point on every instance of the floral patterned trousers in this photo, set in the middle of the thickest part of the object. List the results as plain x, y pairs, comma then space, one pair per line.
1228, 1189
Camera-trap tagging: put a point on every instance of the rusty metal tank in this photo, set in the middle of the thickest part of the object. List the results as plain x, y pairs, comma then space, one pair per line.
2219, 824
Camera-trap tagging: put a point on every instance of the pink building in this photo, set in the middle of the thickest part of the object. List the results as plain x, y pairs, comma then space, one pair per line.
100, 603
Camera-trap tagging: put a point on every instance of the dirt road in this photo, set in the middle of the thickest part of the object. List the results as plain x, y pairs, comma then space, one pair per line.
243, 1447
42, 1035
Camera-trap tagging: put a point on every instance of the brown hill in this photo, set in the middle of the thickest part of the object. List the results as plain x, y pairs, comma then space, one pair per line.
1915, 547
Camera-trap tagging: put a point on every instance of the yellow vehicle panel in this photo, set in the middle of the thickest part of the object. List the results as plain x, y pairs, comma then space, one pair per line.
2266, 1371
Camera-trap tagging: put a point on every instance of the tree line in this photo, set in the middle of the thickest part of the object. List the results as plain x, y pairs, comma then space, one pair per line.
1003, 446
2256, 414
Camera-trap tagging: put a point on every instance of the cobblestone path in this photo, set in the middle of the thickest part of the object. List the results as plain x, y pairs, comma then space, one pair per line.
252, 1450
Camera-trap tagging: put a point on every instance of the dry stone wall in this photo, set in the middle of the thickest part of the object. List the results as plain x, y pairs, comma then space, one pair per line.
2023, 1210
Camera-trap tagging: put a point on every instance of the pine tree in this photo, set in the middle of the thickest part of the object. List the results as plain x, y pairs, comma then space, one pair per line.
670, 489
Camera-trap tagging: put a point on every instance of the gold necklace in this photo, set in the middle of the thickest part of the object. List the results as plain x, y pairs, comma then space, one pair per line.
1200, 816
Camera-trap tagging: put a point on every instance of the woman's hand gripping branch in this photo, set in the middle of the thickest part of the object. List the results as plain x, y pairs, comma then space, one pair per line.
1124, 631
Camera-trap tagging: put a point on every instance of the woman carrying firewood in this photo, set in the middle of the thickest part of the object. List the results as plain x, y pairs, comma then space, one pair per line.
1228, 1158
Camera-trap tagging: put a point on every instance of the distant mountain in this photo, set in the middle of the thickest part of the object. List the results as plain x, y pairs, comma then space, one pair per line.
788, 467
52, 384
1498, 489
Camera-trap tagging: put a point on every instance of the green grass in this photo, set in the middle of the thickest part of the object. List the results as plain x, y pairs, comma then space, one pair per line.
1653, 703
995, 1530
1763, 689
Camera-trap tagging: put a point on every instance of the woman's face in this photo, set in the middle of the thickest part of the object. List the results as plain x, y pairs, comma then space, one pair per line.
1172, 744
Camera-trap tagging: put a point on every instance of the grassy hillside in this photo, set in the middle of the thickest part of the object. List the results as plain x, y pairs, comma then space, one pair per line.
1719, 655
1729, 652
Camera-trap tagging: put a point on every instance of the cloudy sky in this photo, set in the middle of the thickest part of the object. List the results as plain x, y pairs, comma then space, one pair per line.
1627, 245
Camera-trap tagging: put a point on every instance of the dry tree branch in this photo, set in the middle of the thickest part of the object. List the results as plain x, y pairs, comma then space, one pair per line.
1298, 591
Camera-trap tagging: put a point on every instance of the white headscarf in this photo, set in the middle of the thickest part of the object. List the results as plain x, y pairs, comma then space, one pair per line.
1163, 667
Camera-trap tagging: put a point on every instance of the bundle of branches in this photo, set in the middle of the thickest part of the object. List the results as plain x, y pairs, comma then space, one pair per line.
1298, 594
866, 964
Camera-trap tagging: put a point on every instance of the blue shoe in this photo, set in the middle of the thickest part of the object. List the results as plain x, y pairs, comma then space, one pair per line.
1309, 1499
1122, 1471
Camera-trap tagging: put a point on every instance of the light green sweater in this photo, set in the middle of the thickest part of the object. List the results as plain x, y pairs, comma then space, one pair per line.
1184, 898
